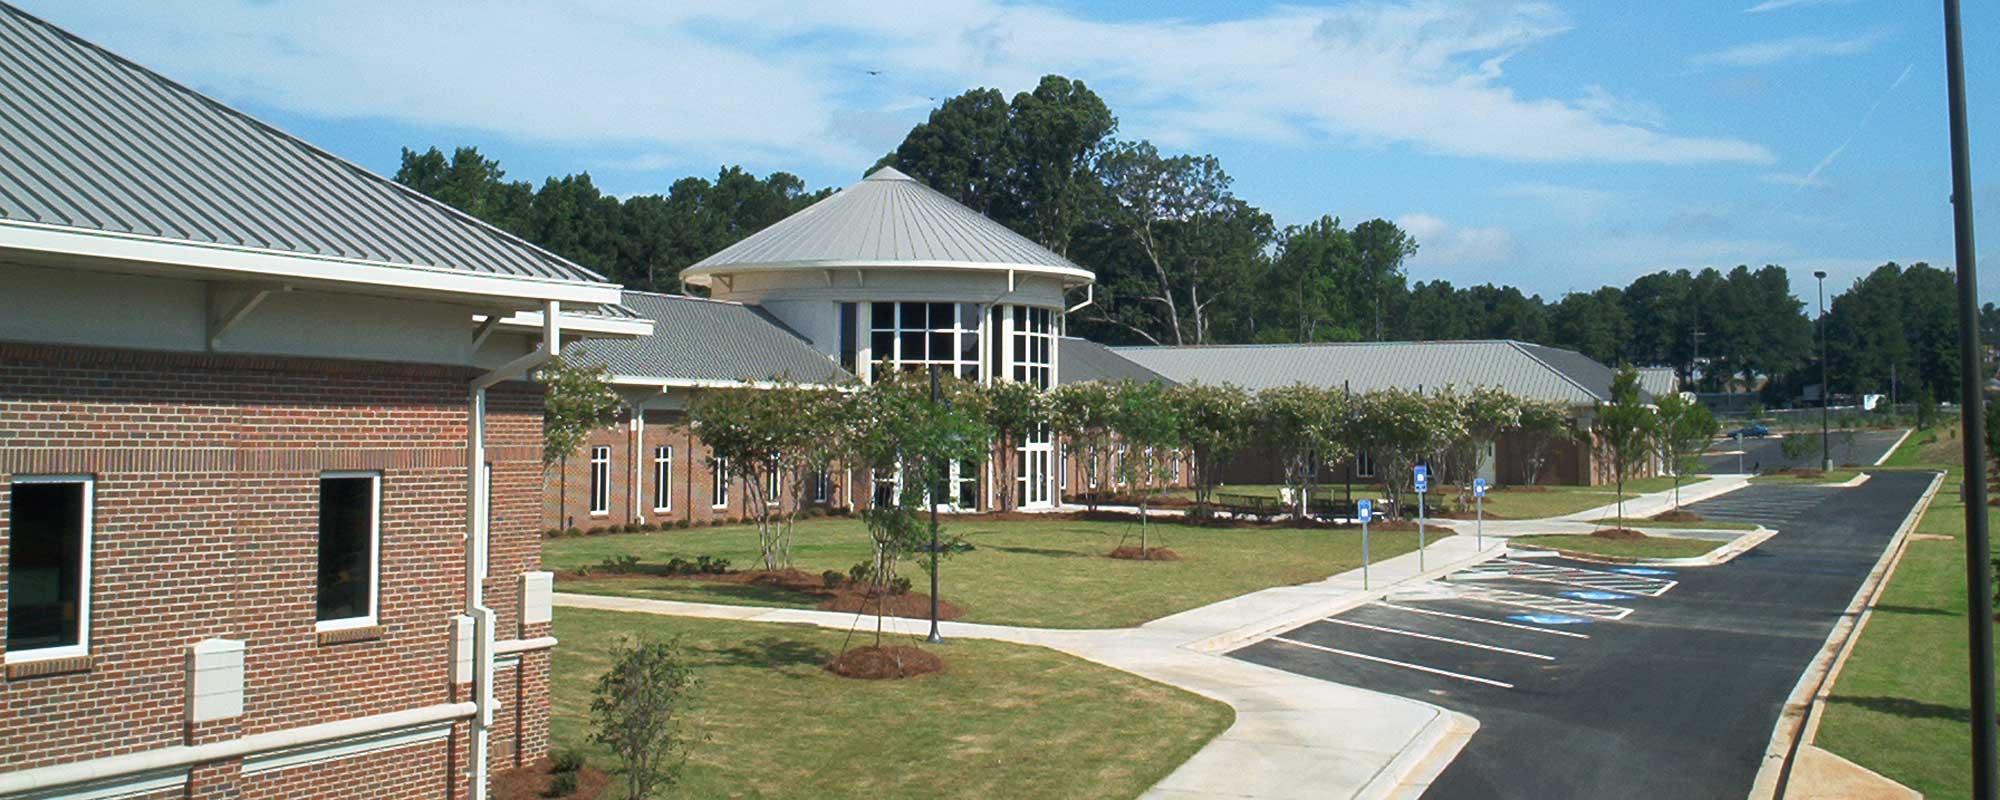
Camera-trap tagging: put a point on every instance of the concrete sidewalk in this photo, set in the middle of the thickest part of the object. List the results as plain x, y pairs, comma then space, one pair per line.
1294, 736
1647, 505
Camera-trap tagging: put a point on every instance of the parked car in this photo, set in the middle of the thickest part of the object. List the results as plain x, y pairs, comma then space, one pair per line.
1753, 430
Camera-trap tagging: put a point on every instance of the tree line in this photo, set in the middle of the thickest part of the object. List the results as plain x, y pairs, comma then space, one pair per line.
1182, 259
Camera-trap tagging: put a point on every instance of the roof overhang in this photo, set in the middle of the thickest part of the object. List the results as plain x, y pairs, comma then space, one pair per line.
663, 384
700, 275
56, 245
592, 326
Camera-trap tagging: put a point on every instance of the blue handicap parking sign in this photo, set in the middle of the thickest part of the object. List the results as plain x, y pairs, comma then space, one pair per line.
1478, 487
1423, 482
1364, 509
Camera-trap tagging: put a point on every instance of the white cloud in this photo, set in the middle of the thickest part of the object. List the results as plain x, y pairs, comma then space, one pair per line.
1777, 5
1778, 51
790, 82
1451, 248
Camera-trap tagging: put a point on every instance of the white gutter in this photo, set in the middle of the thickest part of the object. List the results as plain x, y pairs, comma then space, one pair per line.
709, 383
181, 756
476, 536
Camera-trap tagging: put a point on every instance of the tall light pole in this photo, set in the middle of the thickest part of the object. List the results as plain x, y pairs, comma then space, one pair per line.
1825, 389
1978, 555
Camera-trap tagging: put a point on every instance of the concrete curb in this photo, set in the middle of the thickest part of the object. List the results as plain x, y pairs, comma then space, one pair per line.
1798, 721
1741, 544
1416, 777
1894, 447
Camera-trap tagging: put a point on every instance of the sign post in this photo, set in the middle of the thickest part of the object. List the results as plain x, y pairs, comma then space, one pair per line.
1479, 500
1423, 485
1739, 452
1365, 510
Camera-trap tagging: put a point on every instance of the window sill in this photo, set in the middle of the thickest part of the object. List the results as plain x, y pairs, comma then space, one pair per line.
40, 667
600, 513
364, 633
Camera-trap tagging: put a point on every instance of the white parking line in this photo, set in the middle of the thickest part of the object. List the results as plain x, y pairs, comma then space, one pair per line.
1416, 635
1403, 664
1538, 602
1449, 615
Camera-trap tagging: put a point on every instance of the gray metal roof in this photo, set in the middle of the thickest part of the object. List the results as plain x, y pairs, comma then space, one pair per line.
92, 142
887, 220
1532, 371
1084, 361
700, 340
1658, 381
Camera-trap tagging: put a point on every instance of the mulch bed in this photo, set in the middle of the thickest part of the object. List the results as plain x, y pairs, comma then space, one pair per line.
883, 663
845, 597
915, 605
1132, 553
1677, 515
531, 782
1622, 534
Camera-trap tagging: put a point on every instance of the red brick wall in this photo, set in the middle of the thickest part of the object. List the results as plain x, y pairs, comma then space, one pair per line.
207, 473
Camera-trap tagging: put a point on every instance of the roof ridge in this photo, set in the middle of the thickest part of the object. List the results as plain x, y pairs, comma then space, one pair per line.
1522, 348
672, 296
312, 149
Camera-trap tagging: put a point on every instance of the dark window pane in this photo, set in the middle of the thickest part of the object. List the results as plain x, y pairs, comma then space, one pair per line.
996, 357
913, 346
968, 316
45, 566
884, 343
941, 315
346, 535
941, 346
848, 344
968, 345
913, 316
1020, 317
883, 315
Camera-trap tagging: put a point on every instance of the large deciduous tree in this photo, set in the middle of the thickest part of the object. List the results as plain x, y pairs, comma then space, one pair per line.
1625, 430
1216, 421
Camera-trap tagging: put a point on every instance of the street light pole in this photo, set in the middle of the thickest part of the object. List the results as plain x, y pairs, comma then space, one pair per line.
1978, 552
1825, 389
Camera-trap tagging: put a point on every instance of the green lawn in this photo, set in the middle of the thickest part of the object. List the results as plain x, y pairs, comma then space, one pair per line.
1830, 476
1042, 573
1556, 501
1002, 720
1649, 547
1900, 706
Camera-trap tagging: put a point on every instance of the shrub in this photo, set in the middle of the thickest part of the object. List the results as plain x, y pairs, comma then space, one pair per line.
561, 784
832, 578
638, 713
596, 530
552, 533
649, 527
899, 585
566, 761
620, 565
678, 566
860, 573
573, 533
681, 524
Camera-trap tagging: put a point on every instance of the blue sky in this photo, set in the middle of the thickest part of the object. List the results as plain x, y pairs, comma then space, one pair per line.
1553, 146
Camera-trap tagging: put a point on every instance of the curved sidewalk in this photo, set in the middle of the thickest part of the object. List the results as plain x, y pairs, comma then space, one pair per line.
1294, 736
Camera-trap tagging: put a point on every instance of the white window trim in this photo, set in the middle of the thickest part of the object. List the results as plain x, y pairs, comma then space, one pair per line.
663, 477
822, 487
774, 482
718, 494
596, 484
374, 557
82, 646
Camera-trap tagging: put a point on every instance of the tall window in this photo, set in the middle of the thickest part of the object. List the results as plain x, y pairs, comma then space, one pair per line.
1364, 466
822, 487
1034, 346
774, 481
913, 336
663, 478
600, 480
350, 544
718, 490
48, 566
848, 345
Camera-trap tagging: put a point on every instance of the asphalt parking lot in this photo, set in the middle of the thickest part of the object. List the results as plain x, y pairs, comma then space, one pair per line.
1863, 448
1592, 680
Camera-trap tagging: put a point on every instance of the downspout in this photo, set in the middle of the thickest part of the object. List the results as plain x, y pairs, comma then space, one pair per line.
476, 538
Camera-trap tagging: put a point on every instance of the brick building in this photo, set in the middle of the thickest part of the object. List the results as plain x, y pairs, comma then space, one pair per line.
253, 400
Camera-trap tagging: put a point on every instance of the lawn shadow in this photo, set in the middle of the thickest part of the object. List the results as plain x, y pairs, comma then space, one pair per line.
1040, 551
771, 652
1906, 708
704, 591
1931, 612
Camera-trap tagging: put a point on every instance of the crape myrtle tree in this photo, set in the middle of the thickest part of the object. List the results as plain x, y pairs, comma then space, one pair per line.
1301, 424
1544, 423
1625, 430
576, 400
1082, 414
639, 712
1489, 412
748, 432
1148, 423
899, 430
1402, 428
1013, 410
1216, 421
1683, 431
818, 430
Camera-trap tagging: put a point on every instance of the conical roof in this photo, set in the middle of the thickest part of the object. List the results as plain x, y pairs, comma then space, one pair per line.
888, 220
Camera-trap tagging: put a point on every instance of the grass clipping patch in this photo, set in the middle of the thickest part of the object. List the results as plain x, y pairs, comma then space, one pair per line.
1677, 515
1131, 552
885, 663
1617, 534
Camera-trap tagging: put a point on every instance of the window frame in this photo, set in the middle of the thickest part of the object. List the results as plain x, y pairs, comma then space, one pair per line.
82, 646
718, 491
822, 487
663, 478
961, 330
774, 481
600, 481
374, 615
1364, 464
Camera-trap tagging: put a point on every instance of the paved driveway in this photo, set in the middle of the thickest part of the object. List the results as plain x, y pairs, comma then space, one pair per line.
1863, 448
1595, 681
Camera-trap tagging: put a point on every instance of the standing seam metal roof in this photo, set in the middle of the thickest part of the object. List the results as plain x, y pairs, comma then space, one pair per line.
886, 219
1084, 361
93, 142
697, 339
1532, 371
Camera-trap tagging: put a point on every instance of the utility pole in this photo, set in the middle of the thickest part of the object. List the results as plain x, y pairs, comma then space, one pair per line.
1825, 389
1978, 552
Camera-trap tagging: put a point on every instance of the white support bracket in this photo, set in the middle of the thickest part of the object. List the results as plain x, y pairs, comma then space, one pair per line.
486, 329
219, 324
